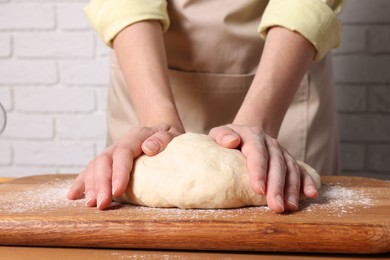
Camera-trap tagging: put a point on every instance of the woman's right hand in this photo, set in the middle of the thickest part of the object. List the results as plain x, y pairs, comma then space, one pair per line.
109, 173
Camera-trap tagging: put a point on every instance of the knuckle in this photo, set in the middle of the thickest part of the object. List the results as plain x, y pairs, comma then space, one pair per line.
273, 142
145, 129
293, 187
164, 127
121, 147
296, 167
103, 158
281, 163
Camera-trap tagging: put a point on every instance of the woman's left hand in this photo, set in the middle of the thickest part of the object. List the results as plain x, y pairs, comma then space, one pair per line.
273, 172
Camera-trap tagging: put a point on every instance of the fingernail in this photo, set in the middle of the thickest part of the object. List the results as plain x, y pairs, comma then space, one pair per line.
88, 198
262, 187
293, 201
228, 139
151, 147
114, 188
313, 191
99, 200
279, 200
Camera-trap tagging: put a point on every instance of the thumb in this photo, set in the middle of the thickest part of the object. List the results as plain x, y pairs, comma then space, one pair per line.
225, 136
157, 142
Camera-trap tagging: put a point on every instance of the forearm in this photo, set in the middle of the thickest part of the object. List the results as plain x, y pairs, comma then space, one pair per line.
285, 60
141, 56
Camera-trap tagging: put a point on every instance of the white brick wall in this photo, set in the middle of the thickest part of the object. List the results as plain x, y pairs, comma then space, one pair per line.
54, 77
53, 84
362, 73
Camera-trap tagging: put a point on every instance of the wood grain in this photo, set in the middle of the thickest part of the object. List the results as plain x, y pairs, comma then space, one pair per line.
326, 225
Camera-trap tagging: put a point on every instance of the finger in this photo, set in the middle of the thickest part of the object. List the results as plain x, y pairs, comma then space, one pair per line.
124, 156
256, 154
76, 191
293, 183
122, 164
89, 183
156, 142
103, 178
276, 176
140, 139
225, 136
309, 187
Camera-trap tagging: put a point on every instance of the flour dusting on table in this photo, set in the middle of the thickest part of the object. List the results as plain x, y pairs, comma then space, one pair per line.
42, 198
334, 200
338, 200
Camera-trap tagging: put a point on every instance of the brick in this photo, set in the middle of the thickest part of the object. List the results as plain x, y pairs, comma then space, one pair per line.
379, 39
20, 171
5, 45
353, 40
379, 98
6, 98
362, 68
53, 154
49, 100
54, 45
39, 126
379, 157
351, 98
102, 49
94, 72
100, 147
352, 156
72, 17
363, 11
27, 16
364, 127
102, 99
81, 127
3, 120
5, 153
27, 72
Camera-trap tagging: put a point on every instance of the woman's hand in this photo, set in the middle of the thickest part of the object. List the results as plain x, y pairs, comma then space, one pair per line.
272, 170
109, 173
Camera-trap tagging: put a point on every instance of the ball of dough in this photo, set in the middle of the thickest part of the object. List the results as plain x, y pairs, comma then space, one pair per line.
194, 172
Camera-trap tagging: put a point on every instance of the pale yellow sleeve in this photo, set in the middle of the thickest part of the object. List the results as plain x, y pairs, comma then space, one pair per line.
109, 17
316, 20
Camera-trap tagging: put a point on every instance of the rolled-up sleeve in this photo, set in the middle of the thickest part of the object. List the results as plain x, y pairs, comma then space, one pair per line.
109, 17
316, 20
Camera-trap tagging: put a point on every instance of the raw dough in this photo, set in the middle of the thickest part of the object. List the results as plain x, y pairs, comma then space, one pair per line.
194, 172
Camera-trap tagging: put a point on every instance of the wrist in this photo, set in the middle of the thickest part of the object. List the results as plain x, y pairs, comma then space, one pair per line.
170, 122
265, 124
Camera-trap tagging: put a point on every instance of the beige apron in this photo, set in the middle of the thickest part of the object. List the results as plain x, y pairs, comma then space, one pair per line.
213, 50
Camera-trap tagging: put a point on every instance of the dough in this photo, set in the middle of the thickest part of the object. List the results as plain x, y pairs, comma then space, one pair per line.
194, 172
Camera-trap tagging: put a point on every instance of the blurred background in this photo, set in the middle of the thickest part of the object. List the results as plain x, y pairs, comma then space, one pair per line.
54, 79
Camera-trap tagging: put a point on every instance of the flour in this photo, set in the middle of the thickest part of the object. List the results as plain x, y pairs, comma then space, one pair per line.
42, 198
337, 200
334, 200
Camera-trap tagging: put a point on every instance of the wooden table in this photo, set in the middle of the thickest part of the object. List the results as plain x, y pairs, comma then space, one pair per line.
50, 253
351, 216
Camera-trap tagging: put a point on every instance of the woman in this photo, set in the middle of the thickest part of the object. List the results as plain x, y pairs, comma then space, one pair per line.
211, 72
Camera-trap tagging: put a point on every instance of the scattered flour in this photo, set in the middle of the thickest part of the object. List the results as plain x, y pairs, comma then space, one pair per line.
42, 198
337, 200
334, 200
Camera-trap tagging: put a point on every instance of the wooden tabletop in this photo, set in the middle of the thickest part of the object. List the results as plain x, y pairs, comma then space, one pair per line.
350, 216
50, 253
